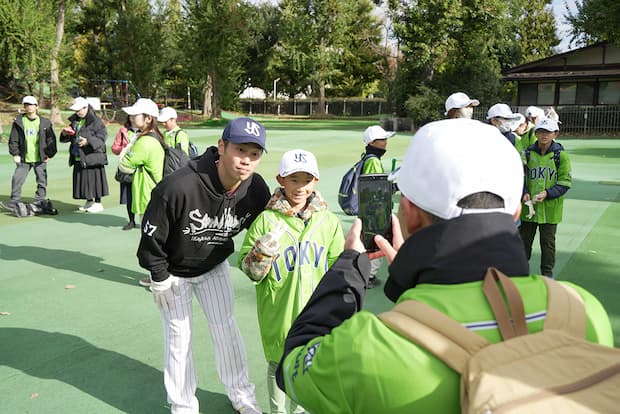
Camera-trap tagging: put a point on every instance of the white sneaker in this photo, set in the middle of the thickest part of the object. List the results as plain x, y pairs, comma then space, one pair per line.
248, 407
95, 208
86, 206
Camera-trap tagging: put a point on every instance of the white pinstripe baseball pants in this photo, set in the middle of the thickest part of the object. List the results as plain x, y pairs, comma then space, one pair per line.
215, 294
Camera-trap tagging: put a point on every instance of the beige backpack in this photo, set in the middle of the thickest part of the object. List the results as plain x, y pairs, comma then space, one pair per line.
552, 371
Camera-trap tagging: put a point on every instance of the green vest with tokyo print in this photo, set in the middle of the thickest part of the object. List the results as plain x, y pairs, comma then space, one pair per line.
543, 171
306, 252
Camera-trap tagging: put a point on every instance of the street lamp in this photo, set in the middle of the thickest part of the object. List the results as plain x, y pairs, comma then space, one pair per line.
275, 90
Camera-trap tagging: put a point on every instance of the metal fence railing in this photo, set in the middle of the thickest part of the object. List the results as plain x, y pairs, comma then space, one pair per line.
338, 107
586, 120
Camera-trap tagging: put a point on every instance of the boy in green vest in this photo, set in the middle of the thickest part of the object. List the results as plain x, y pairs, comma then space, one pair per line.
286, 252
547, 179
174, 136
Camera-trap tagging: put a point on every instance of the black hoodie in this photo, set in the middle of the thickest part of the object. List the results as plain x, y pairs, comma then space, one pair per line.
190, 221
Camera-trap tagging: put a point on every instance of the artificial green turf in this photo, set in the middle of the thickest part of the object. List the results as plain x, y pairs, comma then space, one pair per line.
82, 336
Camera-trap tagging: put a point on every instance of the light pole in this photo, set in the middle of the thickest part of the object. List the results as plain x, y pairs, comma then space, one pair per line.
275, 90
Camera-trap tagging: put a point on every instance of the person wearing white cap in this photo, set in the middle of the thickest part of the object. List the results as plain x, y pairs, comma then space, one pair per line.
547, 180
375, 139
145, 156
87, 134
459, 105
187, 237
32, 143
174, 136
457, 214
533, 114
501, 116
519, 126
286, 252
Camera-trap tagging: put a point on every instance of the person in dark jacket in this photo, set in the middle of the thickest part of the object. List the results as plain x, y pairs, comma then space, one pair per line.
32, 144
187, 233
87, 154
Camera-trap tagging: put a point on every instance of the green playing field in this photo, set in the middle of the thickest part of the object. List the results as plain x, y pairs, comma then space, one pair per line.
78, 334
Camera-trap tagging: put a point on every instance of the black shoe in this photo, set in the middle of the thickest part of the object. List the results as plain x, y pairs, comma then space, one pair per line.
374, 282
129, 226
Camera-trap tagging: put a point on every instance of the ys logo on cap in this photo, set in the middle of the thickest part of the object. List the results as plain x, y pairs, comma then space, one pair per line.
300, 157
252, 128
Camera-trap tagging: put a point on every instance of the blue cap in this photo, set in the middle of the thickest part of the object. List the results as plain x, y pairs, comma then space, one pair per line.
245, 131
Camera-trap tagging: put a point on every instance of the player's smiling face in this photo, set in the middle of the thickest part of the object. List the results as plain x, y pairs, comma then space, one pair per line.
237, 162
297, 188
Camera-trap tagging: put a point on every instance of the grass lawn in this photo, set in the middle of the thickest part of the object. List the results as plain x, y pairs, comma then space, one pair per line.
78, 334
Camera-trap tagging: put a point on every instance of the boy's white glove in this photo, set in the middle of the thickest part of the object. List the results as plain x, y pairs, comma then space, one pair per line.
165, 291
269, 244
530, 208
257, 263
17, 159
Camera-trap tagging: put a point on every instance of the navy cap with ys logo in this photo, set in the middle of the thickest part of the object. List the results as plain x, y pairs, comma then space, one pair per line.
245, 131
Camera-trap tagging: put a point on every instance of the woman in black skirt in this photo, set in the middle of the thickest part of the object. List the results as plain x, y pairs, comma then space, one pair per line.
87, 155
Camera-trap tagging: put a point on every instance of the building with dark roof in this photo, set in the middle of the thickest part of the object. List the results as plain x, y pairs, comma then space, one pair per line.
586, 76
583, 86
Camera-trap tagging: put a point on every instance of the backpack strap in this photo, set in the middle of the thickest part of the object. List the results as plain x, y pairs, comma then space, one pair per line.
556, 158
434, 331
447, 339
509, 313
565, 309
176, 136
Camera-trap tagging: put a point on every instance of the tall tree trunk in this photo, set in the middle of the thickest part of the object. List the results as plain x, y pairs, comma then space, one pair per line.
207, 109
216, 111
54, 75
320, 107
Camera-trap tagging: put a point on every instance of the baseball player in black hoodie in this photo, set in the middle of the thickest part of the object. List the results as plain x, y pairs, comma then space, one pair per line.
186, 239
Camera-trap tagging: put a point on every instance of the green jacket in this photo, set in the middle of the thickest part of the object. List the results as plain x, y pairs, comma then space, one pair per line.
541, 174
146, 160
373, 165
307, 250
529, 137
177, 138
392, 374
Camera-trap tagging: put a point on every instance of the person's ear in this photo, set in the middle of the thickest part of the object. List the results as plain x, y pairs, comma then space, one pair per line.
410, 217
280, 180
220, 147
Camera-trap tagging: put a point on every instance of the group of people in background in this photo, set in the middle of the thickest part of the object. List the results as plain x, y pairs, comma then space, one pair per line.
547, 168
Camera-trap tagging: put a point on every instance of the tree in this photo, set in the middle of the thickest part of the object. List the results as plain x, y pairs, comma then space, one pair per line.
135, 46
217, 45
359, 70
260, 70
26, 37
595, 20
314, 40
534, 25
54, 69
464, 45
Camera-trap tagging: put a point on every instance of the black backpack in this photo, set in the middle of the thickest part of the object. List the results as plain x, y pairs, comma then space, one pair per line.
193, 148
348, 198
174, 158
35, 208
